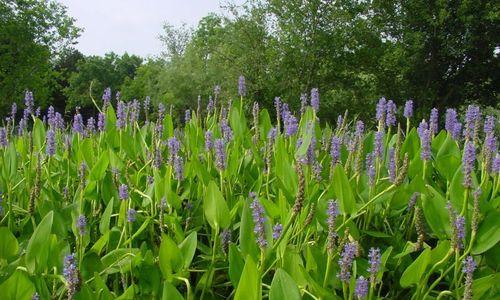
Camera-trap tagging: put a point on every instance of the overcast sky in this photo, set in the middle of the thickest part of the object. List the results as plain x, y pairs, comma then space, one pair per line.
132, 26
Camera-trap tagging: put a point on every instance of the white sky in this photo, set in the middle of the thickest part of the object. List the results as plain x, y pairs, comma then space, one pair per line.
132, 26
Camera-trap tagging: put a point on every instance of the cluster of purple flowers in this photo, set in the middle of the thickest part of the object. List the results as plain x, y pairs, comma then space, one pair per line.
392, 165
123, 192
335, 149
374, 261
468, 159
220, 154
315, 99
390, 118
121, 115
472, 117
209, 143
81, 224
452, 125
50, 148
433, 121
277, 230
71, 275
378, 150
370, 167
361, 289
408, 110
289, 121
259, 220
78, 126
3, 137
346, 258
227, 132
242, 88
425, 141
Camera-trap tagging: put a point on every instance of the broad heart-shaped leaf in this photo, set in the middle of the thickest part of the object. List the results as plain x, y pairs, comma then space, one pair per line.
38, 249
17, 287
97, 172
343, 191
488, 234
188, 248
283, 287
8, 245
414, 272
434, 207
170, 256
249, 287
170, 292
215, 207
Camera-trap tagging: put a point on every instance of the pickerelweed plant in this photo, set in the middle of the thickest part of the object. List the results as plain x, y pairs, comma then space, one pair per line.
235, 201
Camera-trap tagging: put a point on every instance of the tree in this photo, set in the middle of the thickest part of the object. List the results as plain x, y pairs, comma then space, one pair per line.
31, 34
99, 73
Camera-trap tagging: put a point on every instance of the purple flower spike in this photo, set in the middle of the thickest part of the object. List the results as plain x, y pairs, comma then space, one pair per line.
390, 119
360, 128
78, 126
315, 99
392, 165
220, 154
469, 265
101, 122
123, 192
259, 219
81, 224
277, 229
381, 109
345, 261
408, 111
51, 143
489, 125
468, 159
121, 115
361, 289
3, 137
379, 145
335, 150
425, 141
433, 121
370, 167
242, 89
209, 144
471, 116
71, 275
374, 260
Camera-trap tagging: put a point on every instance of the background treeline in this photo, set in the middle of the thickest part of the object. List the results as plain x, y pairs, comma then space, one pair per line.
438, 53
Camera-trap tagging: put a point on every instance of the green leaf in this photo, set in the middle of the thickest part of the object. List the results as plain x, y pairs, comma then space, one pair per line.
283, 287
343, 191
188, 248
8, 245
97, 172
17, 287
236, 264
436, 215
488, 233
215, 207
249, 285
170, 256
37, 250
414, 272
106, 217
170, 292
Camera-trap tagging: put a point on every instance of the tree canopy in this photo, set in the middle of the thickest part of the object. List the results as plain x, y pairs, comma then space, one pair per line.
438, 53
